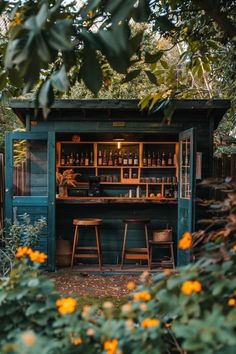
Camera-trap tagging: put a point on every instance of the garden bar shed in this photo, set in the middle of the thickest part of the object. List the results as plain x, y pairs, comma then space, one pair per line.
127, 164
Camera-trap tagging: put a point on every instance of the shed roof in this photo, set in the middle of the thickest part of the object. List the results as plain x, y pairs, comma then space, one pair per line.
22, 107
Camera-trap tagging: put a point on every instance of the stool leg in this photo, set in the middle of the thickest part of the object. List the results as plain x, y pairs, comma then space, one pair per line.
150, 258
97, 231
147, 243
172, 256
123, 247
75, 241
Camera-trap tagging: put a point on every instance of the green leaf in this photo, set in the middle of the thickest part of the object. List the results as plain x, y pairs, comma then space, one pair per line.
131, 75
164, 64
60, 80
59, 35
46, 94
163, 23
42, 15
91, 72
43, 49
152, 58
142, 12
152, 78
3, 80
135, 42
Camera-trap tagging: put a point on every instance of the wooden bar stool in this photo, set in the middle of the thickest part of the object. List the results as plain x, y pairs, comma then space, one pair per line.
135, 253
96, 250
162, 244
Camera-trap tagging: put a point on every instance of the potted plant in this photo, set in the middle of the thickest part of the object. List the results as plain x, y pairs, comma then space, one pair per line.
65, 179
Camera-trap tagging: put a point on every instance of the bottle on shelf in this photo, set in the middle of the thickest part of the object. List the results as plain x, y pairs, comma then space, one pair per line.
71, 159
82, 161
149, 159
104, 158
120, 158
63, 160
125, 159
135, 159
110, 159
100, 158
158, 159
170, 159
116, 158
86, 160
144, 159
130, 159
91, 159
67, 160
154, 160
77, 159
163, 159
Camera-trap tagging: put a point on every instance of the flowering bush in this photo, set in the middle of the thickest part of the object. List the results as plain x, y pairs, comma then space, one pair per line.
191, 310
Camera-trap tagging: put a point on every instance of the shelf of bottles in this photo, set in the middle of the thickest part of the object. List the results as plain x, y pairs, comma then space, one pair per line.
185, 169
148, 169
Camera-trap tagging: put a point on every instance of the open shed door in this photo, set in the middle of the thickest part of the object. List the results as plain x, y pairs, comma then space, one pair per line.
30, 183
186, 207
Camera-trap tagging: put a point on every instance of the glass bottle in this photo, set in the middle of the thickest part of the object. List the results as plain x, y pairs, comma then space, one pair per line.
68, 160
99, 158
163, 159
120, 158
170, 160
144, 159
71, 159
116, 159
154, 160
136, 159
149, 159
158, 159
125, 159
130, 160
77, 159
86, 160
82, 162
104, 158
91, 159
110, 160
63, 160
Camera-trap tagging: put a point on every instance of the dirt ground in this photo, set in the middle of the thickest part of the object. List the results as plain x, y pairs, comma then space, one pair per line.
92, 285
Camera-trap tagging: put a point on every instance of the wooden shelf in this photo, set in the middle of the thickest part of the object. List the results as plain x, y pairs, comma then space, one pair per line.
67, 166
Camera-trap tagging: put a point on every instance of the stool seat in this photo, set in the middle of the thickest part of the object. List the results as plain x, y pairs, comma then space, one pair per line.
136, 221
92, 251
87, 222
161, 244
141, 253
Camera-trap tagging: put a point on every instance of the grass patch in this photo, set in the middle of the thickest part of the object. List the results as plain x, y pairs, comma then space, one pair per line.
99, 301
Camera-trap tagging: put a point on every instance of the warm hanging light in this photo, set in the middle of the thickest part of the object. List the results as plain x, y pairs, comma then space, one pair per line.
118, 140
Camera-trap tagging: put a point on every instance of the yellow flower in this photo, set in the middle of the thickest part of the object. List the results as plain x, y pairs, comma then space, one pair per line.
111, 346
23, 251
38, 257
168, 271
66, 305
85, 311
76, 341
126, 308
189, 287
28, 338
90, 332
129, 324
234, 248
131, 285
142, 295
186, 241
108, 305
143, 307
231, 302
150, 322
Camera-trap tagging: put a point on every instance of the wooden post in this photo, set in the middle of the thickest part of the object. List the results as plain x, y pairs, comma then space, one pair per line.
1, 190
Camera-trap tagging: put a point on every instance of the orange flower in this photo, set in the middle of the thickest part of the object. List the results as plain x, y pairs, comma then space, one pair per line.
142, 295
66, 305
38, 257
111, 346
234, 248
150, 322
28, 338
168, 325
189, 287
131, 285
231, 302
23, 251
186, 241
76, 341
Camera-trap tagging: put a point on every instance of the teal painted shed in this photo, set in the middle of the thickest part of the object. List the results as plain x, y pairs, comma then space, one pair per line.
145, 168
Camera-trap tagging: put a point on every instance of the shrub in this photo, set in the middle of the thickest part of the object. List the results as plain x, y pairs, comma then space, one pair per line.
21, 232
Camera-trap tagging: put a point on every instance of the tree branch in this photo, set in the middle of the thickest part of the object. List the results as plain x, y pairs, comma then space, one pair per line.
220, 18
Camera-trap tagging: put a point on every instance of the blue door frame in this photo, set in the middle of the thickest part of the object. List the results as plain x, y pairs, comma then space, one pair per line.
186, 192
34, 205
